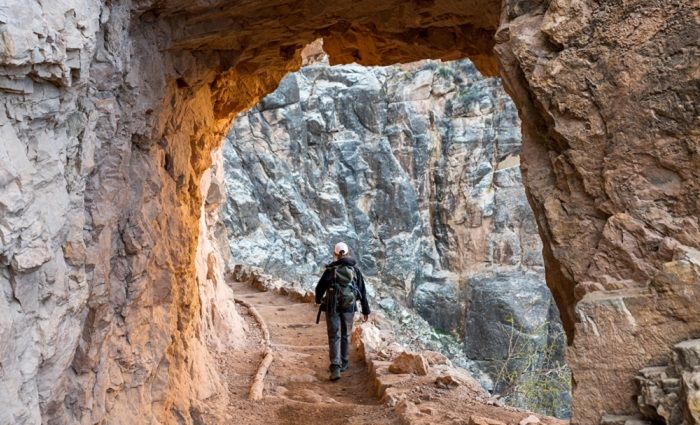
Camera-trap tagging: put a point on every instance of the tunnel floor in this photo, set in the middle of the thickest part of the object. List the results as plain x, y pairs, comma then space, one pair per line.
297, 389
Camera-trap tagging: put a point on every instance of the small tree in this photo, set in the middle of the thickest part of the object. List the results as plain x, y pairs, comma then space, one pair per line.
531, 375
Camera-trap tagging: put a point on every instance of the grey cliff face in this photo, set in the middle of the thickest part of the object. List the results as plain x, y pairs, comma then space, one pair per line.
417, 168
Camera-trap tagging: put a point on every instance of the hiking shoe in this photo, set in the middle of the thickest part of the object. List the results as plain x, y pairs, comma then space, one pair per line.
344, 367
335, 373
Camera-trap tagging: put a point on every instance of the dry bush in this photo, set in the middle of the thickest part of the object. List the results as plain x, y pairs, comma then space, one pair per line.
532, 375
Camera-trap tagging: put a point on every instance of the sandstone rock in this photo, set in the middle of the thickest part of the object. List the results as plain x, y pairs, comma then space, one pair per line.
434, 358
671, 393
480, 420
596, 276
429, 411
409, 363
530, 420
406, 408
392, 396
135, 96
495, 400
446, 381
659, 395
692, 396
366, 338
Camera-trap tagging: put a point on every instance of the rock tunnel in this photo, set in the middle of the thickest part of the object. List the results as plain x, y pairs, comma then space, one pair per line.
112, 110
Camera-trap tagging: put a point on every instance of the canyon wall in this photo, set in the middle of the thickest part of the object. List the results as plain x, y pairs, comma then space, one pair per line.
608, 97
417, 168
102, 310
112, 111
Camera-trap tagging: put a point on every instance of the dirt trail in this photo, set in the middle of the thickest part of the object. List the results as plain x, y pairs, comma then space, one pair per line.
297, 389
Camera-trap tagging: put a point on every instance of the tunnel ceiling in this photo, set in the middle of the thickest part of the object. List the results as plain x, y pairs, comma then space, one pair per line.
367, 32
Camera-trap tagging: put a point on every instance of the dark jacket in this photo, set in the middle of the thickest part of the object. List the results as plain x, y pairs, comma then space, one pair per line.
327, 280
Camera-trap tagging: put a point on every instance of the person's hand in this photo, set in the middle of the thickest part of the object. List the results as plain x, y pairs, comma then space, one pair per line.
365, 317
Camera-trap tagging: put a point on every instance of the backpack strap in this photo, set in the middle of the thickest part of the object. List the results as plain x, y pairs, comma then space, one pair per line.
355, 282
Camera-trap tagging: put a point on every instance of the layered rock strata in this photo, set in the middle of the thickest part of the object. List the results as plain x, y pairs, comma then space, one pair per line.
108, 301
671, 393
131, 110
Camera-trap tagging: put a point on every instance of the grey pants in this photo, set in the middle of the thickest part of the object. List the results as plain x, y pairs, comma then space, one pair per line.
339, 326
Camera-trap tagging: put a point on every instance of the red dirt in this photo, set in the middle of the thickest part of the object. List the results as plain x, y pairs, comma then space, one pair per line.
297, 388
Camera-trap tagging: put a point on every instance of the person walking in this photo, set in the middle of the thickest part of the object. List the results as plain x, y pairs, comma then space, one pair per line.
337, 292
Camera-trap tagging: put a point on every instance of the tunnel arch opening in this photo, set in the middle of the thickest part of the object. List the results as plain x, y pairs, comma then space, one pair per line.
249, 73
534, 46
416, 167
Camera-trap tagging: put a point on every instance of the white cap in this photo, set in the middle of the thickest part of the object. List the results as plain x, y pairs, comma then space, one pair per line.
341, 246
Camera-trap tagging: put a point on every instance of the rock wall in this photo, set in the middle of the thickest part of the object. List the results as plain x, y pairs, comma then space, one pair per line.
112, 109
608, 97
43, 178
106, 311
417, 169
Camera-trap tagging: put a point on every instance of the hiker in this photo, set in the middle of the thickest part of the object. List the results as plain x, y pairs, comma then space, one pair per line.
337, 292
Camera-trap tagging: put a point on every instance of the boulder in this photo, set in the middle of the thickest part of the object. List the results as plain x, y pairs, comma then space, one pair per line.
434, 358
409, 363
480, 420
446, 382
406, 408
530, 420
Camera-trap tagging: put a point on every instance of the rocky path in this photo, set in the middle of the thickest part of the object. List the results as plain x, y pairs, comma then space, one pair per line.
297, 389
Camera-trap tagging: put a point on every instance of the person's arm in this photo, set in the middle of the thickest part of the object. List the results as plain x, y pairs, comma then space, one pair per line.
363, 293
322, 286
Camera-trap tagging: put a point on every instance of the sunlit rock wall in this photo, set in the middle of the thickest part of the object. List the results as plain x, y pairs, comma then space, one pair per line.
106, 289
